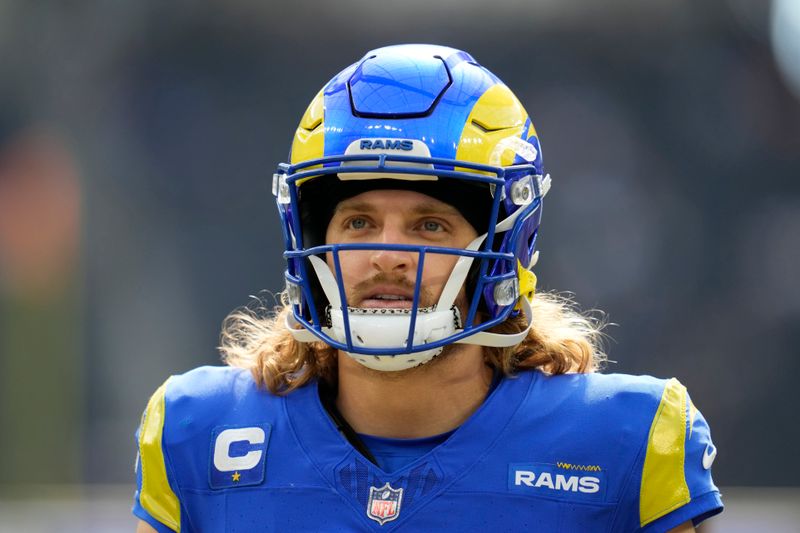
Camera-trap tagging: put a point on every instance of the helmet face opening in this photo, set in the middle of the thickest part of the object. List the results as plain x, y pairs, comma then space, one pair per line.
318, 199
431, 120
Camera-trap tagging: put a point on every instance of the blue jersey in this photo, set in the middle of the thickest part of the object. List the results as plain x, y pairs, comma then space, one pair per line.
575, 453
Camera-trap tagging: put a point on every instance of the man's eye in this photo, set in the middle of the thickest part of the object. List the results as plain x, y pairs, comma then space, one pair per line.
357, 223
432, 225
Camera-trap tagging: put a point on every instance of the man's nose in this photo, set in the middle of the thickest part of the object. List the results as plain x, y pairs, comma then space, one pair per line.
389, 261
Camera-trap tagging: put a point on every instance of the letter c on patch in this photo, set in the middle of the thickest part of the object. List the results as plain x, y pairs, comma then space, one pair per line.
222, 449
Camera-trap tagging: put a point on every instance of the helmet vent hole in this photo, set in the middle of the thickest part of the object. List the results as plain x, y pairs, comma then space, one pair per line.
317, 123
485, 128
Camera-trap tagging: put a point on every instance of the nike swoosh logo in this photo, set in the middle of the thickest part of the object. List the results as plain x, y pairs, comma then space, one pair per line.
708, 456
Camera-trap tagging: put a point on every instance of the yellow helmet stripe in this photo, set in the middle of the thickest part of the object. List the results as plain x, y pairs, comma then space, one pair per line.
495, 116
309, 139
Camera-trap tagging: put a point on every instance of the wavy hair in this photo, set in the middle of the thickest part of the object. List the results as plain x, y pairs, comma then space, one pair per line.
562, 340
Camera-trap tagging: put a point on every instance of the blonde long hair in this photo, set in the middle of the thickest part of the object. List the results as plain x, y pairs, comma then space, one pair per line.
562, 340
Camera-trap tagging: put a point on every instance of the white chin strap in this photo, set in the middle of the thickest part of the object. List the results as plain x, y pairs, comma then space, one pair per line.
389, 328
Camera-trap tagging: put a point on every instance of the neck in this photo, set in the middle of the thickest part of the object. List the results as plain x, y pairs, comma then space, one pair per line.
420, 402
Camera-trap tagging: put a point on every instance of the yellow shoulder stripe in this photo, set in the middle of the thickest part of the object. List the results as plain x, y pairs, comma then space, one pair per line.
663, 480
156, 495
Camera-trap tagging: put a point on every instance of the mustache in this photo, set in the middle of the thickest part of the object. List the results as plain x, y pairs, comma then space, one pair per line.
364, 288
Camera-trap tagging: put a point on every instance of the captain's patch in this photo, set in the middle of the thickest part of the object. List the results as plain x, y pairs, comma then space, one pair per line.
238, 455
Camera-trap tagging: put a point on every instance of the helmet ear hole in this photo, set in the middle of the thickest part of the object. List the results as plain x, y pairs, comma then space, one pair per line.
532, 252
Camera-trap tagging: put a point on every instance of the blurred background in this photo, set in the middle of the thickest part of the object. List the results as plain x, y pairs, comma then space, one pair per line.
137, 144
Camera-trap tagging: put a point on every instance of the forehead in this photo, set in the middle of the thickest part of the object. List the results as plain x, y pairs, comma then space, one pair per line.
405, 201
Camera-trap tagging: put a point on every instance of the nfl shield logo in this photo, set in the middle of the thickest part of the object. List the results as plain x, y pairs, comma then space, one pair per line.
384, 503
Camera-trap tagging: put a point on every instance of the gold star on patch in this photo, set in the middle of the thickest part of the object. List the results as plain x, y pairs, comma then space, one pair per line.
236, 476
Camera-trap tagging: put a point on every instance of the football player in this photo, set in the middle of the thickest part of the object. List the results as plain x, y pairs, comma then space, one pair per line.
414, 380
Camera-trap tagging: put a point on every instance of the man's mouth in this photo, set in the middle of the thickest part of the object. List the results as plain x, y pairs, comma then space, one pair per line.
387, 298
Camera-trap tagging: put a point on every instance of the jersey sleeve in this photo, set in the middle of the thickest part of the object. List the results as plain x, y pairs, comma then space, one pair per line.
676, 484
155, 501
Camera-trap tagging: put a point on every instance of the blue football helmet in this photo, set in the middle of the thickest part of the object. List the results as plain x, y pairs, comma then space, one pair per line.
431, 119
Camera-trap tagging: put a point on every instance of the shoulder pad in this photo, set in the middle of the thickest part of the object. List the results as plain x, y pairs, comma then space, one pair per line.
205, 396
